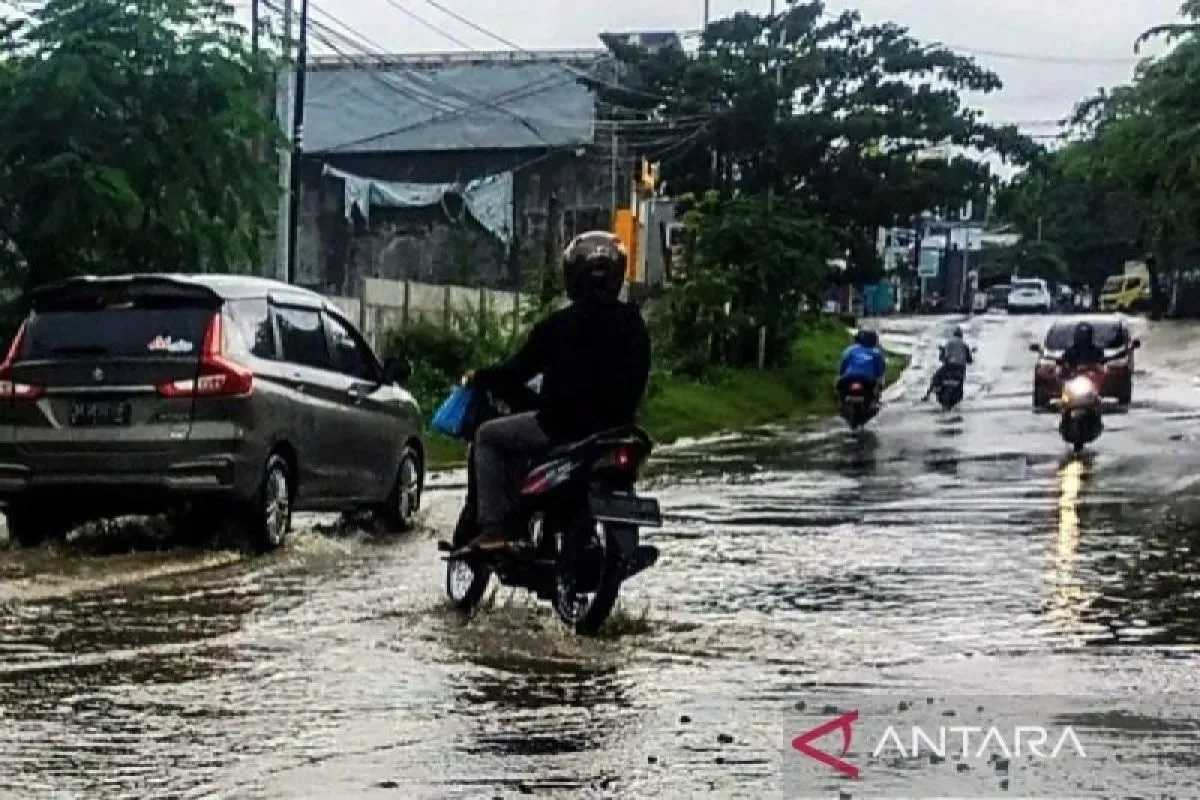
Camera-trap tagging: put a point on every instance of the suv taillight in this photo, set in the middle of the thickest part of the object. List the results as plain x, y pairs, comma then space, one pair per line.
9, 388
217, 376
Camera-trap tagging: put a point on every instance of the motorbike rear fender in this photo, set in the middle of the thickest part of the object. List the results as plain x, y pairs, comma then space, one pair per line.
625, 538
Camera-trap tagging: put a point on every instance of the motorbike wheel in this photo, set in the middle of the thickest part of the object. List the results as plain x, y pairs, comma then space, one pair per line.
466, 582
588, 578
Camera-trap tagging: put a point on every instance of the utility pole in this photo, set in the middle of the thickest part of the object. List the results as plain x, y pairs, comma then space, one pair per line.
297, 144
706, 9
965, 297
774, 119
254, 25
285, 106
613, 177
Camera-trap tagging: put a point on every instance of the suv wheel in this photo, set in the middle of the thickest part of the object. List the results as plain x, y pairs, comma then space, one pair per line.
399, 512
270, 515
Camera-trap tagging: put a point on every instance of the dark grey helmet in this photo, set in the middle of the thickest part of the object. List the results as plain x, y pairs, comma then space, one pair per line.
594, 265
1084, 334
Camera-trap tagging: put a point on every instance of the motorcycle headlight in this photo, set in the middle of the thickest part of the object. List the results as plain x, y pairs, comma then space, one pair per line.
1079, 387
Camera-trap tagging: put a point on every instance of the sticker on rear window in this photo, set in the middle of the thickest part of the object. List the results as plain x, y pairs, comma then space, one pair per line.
165, 344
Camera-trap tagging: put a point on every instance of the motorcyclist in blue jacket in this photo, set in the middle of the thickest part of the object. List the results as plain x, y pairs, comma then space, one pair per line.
864, 362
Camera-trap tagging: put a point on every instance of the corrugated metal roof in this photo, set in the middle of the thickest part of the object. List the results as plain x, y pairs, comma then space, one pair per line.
483, 105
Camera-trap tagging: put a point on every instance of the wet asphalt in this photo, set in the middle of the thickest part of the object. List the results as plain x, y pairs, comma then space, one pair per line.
962, 553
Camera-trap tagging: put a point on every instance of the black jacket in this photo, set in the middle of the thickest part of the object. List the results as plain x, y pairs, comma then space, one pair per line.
1077, 356
594, 360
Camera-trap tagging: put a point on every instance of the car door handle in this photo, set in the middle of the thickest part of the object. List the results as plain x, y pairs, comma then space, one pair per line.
298, 378
357, 393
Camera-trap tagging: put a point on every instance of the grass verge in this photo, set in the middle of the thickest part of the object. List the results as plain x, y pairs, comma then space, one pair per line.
731, 399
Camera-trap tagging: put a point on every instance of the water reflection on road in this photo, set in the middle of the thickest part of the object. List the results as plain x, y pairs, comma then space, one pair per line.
965, 552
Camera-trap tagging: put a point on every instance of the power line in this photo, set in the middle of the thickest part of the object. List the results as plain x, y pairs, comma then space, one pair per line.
535, 87
431, 26
434, 88
574, 70
410, 93
357, 35
1044, 58
421, 90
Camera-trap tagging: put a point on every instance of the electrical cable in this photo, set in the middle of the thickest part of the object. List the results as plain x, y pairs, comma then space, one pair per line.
574, 70
431, 26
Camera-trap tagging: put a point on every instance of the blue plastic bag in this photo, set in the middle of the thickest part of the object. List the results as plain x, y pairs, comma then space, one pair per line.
451, 417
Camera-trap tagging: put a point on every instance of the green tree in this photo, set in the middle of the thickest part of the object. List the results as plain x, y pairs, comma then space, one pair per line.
128, 136
749, 270
1075, 227
1143, 139
826, 110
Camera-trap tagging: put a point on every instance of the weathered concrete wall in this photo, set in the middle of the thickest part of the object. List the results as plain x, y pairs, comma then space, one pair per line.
392, 304
443, 244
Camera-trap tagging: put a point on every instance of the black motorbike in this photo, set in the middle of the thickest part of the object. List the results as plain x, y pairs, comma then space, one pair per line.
575, 537
1082, 419
950, 389
857, 403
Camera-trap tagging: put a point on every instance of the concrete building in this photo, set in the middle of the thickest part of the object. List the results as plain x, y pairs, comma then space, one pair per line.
457, 168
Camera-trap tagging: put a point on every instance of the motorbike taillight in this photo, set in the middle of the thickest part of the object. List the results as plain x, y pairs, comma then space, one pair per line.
625, 458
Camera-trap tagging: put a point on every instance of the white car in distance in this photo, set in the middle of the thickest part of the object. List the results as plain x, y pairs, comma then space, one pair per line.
1028, 296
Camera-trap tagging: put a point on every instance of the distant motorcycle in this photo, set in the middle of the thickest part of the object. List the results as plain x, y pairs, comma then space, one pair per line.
858, 404
575, 538
950, 392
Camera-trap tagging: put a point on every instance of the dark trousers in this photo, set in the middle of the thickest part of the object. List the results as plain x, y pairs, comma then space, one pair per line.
503, 448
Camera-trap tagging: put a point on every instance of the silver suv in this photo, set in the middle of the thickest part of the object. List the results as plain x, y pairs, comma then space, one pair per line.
216, 396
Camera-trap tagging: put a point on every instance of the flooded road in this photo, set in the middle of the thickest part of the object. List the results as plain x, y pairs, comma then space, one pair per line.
962, 554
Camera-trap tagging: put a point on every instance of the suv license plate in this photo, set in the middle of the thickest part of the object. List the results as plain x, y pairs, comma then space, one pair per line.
626, 509
97, 414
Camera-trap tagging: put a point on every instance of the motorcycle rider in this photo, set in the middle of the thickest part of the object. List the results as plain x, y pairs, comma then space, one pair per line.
594, 361
956, 356
863, 361
1083, 351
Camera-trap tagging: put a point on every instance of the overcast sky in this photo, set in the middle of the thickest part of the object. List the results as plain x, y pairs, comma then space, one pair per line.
1099, 34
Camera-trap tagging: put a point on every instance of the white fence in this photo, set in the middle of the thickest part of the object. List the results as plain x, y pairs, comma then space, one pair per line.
388, 304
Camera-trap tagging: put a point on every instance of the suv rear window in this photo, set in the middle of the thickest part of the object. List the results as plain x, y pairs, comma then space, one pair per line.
1108, 335
125, 331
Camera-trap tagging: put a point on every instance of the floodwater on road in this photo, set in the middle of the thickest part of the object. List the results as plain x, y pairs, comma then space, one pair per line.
961, 553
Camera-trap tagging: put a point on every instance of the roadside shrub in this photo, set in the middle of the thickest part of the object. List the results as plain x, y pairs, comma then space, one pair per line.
441, 355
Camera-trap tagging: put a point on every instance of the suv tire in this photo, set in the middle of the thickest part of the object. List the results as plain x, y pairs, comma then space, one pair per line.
269, 516
399, 511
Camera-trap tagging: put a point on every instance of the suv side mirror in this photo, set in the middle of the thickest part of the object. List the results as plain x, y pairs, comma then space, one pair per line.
397, 370
1035, 348
1137, 344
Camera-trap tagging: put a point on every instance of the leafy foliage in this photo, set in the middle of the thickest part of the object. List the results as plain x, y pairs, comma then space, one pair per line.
128, 135
441, 355
748, 268
828, 111
1127, 186
1076, 228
